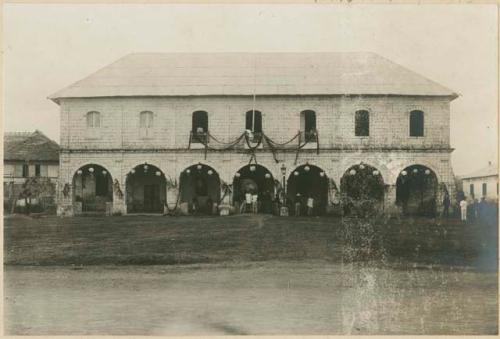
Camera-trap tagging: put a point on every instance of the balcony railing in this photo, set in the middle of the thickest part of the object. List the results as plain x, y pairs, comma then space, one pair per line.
199, 137
311, 136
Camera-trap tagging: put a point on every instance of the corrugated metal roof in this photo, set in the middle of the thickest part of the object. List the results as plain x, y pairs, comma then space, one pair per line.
29, 146
490, 170
188, 74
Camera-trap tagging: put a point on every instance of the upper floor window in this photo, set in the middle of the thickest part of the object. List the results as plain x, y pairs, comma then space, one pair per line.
308, 125
93, 119
146, 119
253, 121
485, 189
416, 124
471, 190
38, 170
145, 123
362, 124
199, 126
26, 171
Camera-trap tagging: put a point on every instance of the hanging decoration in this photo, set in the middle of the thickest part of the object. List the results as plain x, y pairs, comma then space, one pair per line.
210, 142
91, 169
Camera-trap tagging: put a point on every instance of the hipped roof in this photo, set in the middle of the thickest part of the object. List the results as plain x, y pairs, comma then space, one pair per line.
202, 74
29, 146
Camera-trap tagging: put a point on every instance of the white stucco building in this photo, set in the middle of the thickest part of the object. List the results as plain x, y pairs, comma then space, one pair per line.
482, 183
154, 132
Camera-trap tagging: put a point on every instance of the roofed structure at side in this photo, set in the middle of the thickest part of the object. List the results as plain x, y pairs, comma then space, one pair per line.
29, 146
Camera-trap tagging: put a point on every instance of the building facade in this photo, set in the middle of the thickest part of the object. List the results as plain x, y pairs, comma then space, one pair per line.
155, 132
482, 183
31, 163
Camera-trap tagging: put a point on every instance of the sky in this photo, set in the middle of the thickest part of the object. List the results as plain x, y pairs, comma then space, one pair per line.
48, 47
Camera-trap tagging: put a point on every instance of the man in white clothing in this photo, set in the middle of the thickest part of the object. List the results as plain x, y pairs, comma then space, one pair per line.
463, 209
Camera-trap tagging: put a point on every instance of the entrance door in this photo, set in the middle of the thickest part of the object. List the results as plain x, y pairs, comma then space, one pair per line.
152, 198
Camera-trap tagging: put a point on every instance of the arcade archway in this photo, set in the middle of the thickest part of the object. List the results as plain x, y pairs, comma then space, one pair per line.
92, 188
305, 182
200, 189
416, 190
254, 179
146, 189
362, 188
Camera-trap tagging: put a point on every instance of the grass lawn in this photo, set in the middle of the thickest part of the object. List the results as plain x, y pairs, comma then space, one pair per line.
245, 238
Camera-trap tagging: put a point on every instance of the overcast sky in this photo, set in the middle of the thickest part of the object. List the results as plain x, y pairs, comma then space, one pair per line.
48, 47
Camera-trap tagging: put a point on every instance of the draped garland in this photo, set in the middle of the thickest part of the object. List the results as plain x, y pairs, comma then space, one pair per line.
217, 145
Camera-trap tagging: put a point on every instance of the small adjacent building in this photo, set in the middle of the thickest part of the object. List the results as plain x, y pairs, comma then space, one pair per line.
482, 183
31, 169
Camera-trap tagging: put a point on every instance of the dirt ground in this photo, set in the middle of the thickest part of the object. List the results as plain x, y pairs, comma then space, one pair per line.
147, 275
254, 298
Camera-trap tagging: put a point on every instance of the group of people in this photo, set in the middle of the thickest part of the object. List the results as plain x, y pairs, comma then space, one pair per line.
470, 210
299, 201
473, 210
253, 202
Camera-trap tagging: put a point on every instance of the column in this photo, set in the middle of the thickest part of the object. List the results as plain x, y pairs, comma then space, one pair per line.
390, 207
119, 203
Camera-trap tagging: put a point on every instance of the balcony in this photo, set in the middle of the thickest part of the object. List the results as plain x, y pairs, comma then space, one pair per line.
309, 136
199, 137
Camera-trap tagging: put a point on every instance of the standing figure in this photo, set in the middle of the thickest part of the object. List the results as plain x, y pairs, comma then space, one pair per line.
446, 205
463, 209
255, 199
310, 205
297, 205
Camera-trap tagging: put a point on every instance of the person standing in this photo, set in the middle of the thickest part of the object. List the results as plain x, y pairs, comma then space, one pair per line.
255, 199
446, 205
310, 205
297, 205
463, 209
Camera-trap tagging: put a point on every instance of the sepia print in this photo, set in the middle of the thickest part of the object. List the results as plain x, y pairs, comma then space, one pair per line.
250, 169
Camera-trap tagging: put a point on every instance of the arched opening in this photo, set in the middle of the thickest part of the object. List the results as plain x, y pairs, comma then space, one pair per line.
362, 123
416, 190
362, 188
92, 189
200, 189
307, 185
308, 125
416, 124
146, 189
256, 180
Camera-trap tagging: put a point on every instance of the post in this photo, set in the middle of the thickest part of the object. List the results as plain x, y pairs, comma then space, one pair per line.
284, 207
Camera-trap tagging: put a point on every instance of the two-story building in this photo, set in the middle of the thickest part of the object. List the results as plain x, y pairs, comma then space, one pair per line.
156, 132
29, 158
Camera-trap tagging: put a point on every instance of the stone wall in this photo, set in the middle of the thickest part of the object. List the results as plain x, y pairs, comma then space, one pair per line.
389, 120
